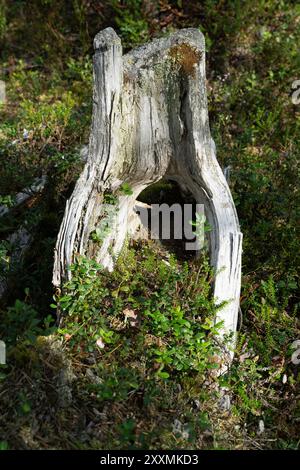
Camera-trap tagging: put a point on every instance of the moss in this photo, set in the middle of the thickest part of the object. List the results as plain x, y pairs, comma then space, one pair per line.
186, 57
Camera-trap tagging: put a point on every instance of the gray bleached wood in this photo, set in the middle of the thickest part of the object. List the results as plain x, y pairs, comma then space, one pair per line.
2, 92
150, 120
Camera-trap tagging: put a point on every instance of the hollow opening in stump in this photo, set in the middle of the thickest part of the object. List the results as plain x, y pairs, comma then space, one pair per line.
167, 191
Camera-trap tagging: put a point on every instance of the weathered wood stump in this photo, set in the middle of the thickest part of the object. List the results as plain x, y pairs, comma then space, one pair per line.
150, 120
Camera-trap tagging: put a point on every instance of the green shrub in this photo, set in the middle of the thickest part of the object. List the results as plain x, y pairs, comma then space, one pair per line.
171, 302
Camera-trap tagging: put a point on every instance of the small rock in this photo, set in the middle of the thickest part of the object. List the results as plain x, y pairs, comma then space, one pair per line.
93, 377
284, 379
100, 343
197, 404
25, 134
180, 429
225, 403
261, 427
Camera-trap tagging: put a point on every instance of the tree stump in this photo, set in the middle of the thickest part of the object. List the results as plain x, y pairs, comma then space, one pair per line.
150, 120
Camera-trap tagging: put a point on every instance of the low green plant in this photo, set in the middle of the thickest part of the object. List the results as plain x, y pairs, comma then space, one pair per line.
4, 445
126, 189
106, 223
132, 26
178, 314
22, 325
3, 22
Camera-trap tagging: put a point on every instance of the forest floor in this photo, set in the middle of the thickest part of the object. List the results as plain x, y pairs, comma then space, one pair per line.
132, 362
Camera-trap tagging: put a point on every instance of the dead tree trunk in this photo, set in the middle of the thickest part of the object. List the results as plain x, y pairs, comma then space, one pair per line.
150, 120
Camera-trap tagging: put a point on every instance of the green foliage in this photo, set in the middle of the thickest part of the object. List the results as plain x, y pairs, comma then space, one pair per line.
3, 22
150, 325
256, 134
275, 328
178, 313
107, 222
6, 201
4, 445
145, 332
110, 198
24, 404
22, 325
126, 189
132, 26
49, 121
42, 134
